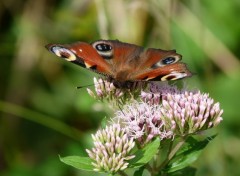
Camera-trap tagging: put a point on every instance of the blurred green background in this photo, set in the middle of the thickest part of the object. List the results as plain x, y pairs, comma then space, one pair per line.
42, 114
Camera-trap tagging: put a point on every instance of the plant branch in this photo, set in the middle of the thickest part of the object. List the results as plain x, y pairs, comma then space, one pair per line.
122, 173
172, 153
170, 148
149, 168
155, 160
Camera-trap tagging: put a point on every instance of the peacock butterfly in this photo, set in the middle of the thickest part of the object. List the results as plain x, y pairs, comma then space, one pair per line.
124, 63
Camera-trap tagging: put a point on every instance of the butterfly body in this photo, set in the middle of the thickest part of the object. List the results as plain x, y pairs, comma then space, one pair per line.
122, 62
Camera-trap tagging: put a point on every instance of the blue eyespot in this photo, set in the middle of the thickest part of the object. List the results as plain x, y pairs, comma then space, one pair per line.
103, 47
168, 60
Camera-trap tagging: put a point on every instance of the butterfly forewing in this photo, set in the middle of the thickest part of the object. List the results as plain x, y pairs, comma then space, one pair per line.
82, 54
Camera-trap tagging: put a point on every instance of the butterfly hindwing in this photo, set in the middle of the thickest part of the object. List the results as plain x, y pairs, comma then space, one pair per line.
167, 73
162, 65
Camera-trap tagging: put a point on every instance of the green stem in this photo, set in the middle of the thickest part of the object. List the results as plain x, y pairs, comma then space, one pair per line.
172, 153
170, 148
149, 168
155, 160
122, 173
41, 119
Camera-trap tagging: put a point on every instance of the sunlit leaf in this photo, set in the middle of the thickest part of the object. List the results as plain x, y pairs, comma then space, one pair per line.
83, 163
188, 154
143, 156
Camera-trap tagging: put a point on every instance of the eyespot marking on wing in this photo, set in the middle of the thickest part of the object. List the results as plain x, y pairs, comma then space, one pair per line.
174, 76
104, 49
63, 53
166, 61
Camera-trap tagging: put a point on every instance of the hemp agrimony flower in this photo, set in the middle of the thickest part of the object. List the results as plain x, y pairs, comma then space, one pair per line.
112, 149
168, 111
147, 117
143, 121
189, 112
157, 92
105, 90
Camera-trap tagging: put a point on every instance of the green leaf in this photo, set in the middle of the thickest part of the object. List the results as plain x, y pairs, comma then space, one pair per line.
187, 171
144, 155
193, 144
188, 154
83, 163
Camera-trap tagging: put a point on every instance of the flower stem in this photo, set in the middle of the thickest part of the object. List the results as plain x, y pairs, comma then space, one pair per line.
155, 160
149, 168
170, 148
122, 173
172, 153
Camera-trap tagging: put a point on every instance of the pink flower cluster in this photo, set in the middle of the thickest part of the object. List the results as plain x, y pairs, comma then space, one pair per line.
190, 112
163, 111
112, 149
166, 111
143, 121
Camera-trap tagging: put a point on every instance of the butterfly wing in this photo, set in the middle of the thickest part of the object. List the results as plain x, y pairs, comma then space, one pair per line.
123, 57
167, 73
161, 65
82, 54
123, 61
130, 62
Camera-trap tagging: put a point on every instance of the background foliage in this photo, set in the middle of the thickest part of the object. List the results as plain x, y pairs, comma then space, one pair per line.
43, 115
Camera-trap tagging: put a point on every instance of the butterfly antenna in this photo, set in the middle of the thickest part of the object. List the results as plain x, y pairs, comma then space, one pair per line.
80, 87
120, 108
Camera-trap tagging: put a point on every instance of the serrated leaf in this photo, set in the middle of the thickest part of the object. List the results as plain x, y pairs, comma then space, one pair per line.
188, 154
143, 156
83, 163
